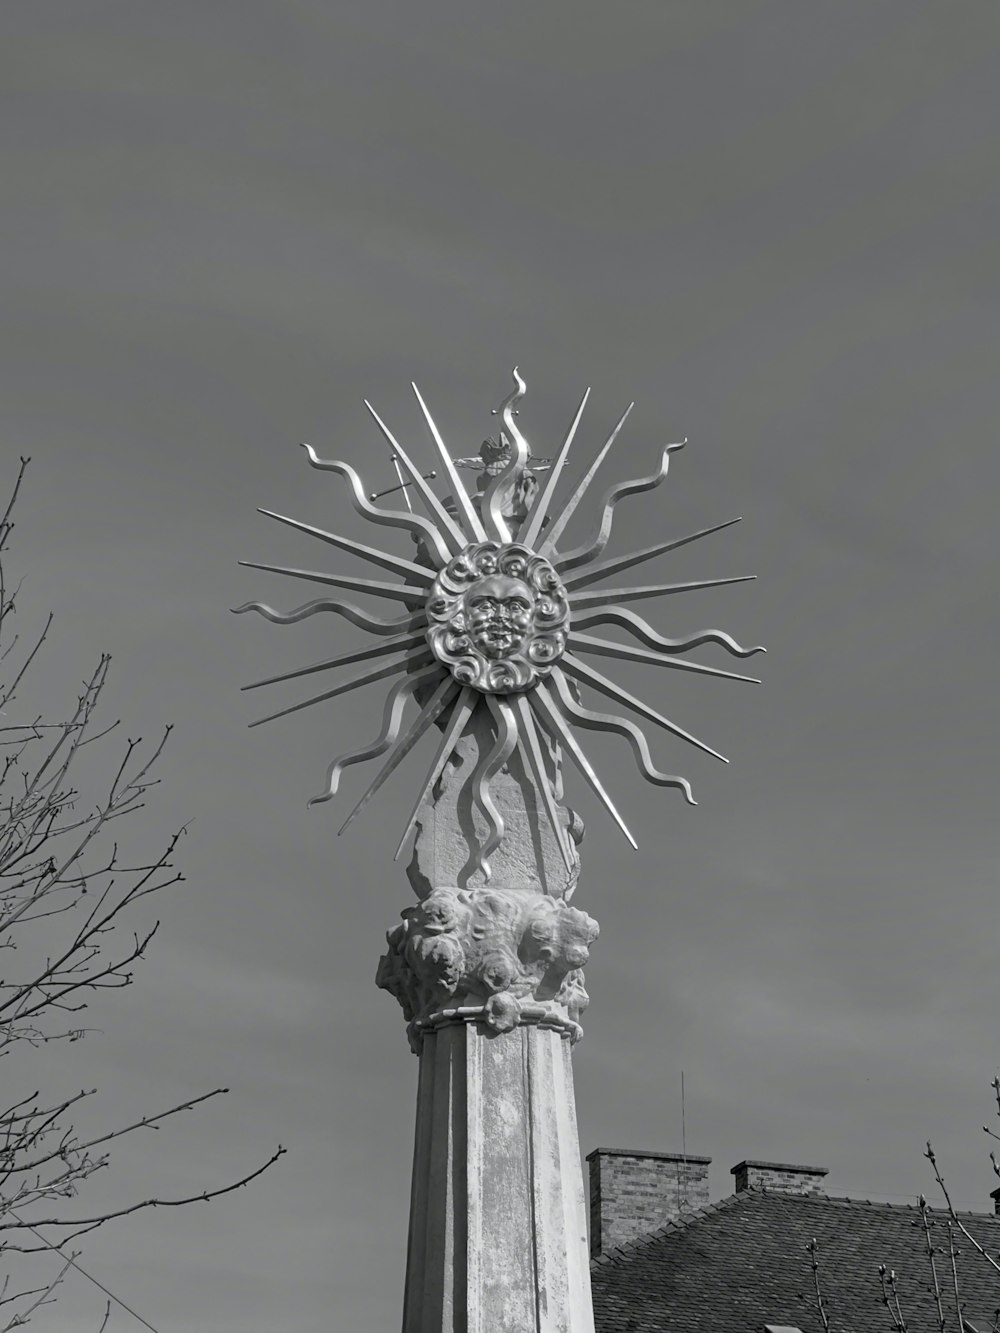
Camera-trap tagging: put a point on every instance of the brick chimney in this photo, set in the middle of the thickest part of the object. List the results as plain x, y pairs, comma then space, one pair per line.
995, 1196
783, 1176
633, 1192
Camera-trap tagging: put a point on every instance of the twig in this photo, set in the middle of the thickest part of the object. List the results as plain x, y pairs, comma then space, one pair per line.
813, 1247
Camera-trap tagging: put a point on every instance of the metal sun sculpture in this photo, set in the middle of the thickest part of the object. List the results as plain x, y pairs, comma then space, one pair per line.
495, 620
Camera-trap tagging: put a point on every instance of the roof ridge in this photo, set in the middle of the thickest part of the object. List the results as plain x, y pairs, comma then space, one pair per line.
867, 1203
680, 1223
686, 1219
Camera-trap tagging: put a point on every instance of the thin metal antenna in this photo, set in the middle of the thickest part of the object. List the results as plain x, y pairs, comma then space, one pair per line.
684, 1150
402, 483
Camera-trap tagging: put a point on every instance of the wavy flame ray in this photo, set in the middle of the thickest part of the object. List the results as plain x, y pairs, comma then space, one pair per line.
587, 717
532, 746
553, 534
392, 720
587, 643
346, 609
487, 768
555, 723
583, 555
394, 518
462, 711
506, 480
431, 709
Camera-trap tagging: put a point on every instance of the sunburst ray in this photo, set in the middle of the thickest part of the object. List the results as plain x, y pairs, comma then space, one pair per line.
401, 644
393, 518
473, 522
392, 720
393, 563
509, 619
460, 714
531, 747
623, 562
587, 643
453, 535
365, 678
431, 710
554, 722
574, 667
504, 482
598, 596
582, 555
487, 768
559, 523
634, 624
373, 624
531, 528
587, 717
399, 592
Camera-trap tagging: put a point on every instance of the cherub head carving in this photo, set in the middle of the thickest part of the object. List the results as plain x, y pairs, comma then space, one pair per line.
498, 617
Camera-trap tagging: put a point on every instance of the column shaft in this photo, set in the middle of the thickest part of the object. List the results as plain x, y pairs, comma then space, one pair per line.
497, 1216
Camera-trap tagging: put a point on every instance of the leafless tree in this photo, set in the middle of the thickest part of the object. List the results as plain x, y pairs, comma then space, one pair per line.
66, 906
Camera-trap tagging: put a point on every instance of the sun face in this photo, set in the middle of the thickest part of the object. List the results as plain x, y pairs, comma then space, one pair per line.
496, 619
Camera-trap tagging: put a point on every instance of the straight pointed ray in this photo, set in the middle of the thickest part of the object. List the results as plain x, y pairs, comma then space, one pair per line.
587, 643
391, 562
452, 533
346, 609
599, 596
392, 720
536, 761
473, 523
393, 518
488, 766
401, 644
399, 592
460, 714
582, 555
569, 508
531, 528
621, 562
608, 722
574, 667
556, 725
402, 484
366, 677
434, 705
503, 483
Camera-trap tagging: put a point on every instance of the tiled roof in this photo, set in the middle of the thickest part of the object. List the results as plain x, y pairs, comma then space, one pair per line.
742, 1263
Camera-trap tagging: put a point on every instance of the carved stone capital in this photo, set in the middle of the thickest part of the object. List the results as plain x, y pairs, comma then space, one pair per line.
497, 956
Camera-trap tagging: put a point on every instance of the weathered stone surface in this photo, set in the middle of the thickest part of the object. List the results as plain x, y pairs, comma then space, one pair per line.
449, 830
505, 956
497, 1238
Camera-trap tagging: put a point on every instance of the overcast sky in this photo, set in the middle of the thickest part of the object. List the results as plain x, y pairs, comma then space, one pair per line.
772, 224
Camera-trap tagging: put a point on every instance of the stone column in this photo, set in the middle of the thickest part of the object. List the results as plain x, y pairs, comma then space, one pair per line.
489, 977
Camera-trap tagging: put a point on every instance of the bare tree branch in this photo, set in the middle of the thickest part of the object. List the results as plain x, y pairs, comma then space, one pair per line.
68, 932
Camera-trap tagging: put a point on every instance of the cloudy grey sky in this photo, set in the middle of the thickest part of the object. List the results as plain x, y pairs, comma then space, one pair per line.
771, 223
